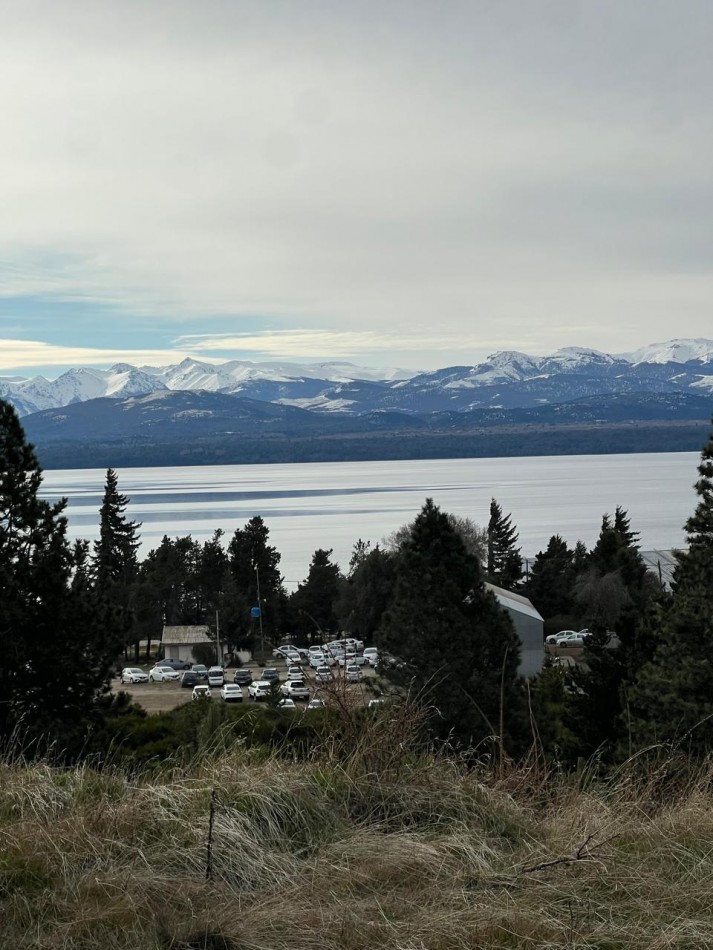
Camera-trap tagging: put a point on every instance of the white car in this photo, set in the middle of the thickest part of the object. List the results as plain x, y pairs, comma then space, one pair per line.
259, 689
231, 693
323, 674
353, 673
132, 674
286, 704
573, 639
316, 660
201, 692
295, 673
554, 637
295, 689
216, 676
161, 674
352, 659
316, 704
371, 655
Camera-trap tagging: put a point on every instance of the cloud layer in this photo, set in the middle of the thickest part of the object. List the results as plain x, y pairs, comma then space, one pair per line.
409, 178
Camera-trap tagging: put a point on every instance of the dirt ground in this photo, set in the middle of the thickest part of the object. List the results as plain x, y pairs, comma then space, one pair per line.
160, 697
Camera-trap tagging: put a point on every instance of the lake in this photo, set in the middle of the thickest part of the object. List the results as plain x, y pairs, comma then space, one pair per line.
332, 504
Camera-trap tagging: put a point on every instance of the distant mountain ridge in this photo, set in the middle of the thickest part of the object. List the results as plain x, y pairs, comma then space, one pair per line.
506, 380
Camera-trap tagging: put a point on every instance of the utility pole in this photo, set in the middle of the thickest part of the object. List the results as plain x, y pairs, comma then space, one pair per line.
217, 639
259, 607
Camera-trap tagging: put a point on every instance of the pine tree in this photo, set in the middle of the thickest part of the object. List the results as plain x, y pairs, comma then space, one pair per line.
56, 650
313, 604
672, 697
451, 639
550, 585
253, 561
115, 559
504, 560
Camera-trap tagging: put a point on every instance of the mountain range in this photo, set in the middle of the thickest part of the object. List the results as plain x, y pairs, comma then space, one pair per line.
668, 384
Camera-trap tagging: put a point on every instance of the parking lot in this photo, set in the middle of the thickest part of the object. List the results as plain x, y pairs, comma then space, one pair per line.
161, 697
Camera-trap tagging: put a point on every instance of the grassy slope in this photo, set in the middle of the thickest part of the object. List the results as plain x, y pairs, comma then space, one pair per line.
378, 847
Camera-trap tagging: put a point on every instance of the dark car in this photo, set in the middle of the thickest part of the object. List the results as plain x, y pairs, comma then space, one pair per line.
201, 670
174, 664
242, 677
270, 675
190, 679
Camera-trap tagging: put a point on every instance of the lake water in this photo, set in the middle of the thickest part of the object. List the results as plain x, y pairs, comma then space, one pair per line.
331, 505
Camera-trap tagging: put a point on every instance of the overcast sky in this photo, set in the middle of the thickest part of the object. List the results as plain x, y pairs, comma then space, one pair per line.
394, 183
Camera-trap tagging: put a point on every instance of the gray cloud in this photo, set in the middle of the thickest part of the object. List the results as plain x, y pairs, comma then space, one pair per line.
495, 170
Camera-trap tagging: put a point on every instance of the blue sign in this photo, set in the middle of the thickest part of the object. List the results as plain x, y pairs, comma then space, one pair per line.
254, 611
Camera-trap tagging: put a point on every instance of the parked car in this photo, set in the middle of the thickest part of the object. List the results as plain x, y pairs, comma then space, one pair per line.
295, 673
286, 704
231, 693
242, 677
189, 679
270, 675
173, 662
132, 674
573, 639
316, 704
259, 689
216, 676
201, 670
323, 674
353, 673
371, 655
295, 689
554, 637
352, 659
317, 659
162, 674
201, 692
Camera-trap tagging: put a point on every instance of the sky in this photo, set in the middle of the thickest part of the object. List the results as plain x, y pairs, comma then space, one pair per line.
409, 183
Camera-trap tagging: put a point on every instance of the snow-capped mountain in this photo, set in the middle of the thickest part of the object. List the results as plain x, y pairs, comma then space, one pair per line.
506, 380
675, 351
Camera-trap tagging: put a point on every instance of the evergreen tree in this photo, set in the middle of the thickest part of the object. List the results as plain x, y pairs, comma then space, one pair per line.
550, 585
451, 639
253, 562
314, 602
115, 559
672, 697
367, 593
56, 649
616, 595
504, 559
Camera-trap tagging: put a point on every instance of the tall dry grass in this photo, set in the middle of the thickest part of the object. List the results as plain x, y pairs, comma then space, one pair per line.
376, 841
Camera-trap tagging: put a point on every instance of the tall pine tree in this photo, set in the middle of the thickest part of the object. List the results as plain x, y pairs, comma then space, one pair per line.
452, 640
504, 560
56, 649
672, 698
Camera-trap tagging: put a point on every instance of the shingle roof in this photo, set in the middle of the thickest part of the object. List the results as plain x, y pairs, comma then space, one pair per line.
183, 636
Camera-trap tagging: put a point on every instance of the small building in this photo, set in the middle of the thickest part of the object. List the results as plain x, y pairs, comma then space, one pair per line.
177, 642
529, 626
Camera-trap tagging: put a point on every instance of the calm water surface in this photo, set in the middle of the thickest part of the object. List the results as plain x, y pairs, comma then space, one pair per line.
331, 504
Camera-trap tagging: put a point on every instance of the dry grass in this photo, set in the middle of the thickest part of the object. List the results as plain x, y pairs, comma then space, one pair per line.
375, 842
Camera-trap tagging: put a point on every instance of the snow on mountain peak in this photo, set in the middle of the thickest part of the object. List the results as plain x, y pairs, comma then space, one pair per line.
673, 351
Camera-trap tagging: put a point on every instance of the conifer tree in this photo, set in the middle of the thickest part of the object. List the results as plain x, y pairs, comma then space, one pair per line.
115, 561
672, 697
253, 561
314, 603
504, 560
56, 650
452, 640
115, 552
550, 584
